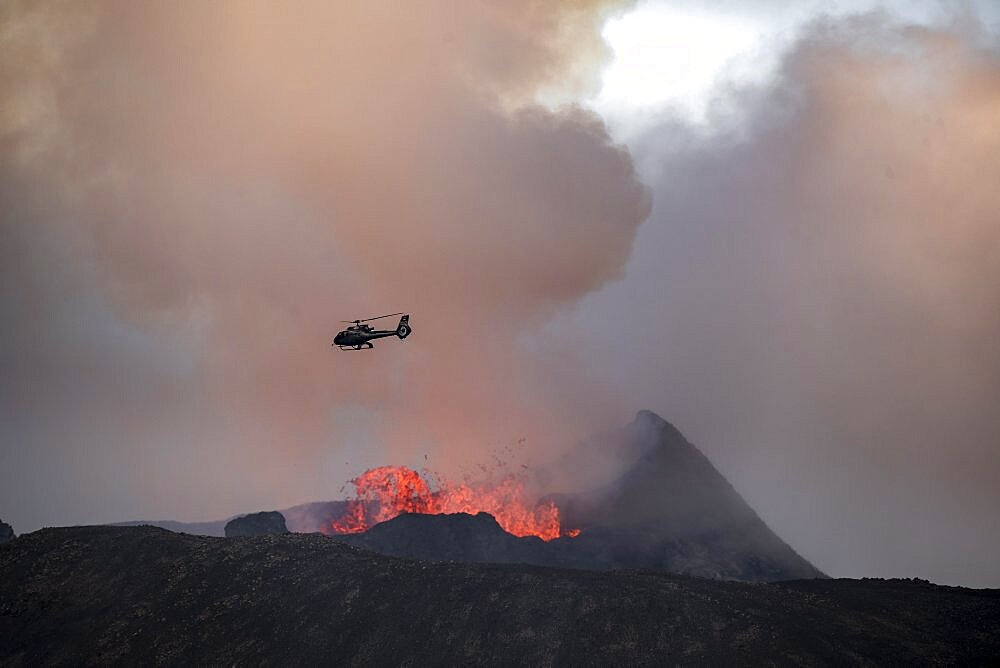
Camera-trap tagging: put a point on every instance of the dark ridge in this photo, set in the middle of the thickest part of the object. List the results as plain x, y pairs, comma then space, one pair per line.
216, 528
6, 532
142, 595
449, 537
304, 518
257, 524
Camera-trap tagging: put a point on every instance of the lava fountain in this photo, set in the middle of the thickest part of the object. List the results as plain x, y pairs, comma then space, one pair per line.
387, 491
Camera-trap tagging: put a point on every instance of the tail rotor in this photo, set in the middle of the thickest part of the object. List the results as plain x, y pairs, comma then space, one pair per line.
403, 329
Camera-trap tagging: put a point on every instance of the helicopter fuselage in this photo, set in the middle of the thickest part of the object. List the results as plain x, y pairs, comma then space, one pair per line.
360, 335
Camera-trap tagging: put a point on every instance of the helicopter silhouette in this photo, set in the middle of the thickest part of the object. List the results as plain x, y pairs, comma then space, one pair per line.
359, 335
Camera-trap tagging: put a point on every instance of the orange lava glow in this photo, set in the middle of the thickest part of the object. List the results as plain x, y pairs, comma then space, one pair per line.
387, 491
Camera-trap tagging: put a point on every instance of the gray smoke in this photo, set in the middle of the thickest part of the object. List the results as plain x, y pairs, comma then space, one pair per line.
814, 299
195, 194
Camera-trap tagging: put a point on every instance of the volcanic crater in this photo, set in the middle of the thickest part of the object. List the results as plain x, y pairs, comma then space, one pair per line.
668, 508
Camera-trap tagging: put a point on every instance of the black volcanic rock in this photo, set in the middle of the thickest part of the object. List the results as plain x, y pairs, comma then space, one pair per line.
257, 524
142, 595
450, 537
6, 532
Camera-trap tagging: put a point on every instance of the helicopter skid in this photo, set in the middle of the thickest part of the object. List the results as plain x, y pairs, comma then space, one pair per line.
364, 346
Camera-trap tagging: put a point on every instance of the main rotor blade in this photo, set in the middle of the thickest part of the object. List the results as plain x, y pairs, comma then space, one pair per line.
387, 315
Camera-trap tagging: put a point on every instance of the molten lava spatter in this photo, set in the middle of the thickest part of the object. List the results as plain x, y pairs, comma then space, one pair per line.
387, 491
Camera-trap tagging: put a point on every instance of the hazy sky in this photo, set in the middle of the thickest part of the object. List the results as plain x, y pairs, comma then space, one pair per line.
774, 227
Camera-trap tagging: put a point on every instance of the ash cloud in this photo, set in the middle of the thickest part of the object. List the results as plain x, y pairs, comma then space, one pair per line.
215, 185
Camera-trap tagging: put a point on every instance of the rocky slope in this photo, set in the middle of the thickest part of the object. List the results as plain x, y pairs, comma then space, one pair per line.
673, 510
98, 595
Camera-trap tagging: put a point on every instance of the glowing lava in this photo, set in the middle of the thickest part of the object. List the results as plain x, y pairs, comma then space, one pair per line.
387, 491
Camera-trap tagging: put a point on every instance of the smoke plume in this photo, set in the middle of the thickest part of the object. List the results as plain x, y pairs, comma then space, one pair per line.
196, 193
814, 298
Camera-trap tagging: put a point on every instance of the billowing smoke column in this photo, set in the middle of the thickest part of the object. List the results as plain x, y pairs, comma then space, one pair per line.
196, 193
815, 296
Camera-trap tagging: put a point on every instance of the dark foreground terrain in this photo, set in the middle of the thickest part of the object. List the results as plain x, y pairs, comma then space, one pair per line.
145, 595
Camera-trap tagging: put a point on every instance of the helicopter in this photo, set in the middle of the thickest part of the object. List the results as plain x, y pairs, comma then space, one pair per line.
359, 335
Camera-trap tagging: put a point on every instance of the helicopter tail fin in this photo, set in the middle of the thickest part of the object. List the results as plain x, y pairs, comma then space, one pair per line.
403, 329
